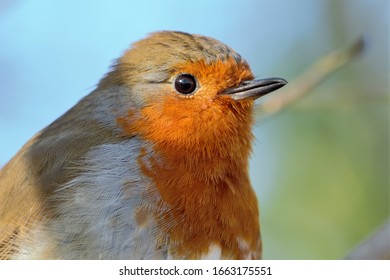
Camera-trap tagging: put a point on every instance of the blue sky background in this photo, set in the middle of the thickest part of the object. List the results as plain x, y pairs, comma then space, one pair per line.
52, 53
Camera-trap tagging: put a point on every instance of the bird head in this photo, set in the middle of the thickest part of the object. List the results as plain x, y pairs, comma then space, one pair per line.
187, 92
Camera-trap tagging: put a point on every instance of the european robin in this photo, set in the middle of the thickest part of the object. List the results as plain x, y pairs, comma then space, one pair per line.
153, 164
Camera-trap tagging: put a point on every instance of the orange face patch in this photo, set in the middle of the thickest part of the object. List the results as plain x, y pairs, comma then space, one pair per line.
199, 163
203, 117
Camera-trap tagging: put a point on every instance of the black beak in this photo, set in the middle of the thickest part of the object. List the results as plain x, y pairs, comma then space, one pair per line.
254, 89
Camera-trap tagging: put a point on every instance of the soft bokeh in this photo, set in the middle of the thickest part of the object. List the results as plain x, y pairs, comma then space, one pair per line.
320, 168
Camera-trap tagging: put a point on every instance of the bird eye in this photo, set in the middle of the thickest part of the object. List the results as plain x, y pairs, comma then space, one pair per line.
185, 84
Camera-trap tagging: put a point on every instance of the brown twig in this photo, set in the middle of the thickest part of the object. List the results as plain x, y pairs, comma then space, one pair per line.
377, 245
322, 69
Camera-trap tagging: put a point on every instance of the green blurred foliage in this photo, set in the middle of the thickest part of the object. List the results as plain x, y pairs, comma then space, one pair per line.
332, 188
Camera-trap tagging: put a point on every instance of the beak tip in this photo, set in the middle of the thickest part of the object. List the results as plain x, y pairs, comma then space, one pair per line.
280, 81
283, 81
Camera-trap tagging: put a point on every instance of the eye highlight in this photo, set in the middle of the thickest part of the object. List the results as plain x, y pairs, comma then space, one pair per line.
185, 84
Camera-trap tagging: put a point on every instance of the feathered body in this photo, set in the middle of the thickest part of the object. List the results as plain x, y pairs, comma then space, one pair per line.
136, 170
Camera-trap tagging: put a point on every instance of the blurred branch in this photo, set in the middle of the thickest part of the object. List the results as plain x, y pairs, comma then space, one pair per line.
375, 247
298, 88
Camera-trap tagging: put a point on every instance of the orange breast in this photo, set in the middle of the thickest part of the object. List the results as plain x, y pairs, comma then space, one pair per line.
199, 165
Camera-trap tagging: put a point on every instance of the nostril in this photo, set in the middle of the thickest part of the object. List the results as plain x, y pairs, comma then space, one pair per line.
244, 83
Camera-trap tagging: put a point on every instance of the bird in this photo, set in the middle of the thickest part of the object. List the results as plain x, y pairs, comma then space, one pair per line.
152, 164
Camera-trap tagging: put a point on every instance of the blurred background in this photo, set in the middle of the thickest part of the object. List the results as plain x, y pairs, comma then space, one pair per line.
320, 168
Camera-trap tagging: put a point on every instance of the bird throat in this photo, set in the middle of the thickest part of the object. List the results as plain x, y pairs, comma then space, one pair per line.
206, 199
